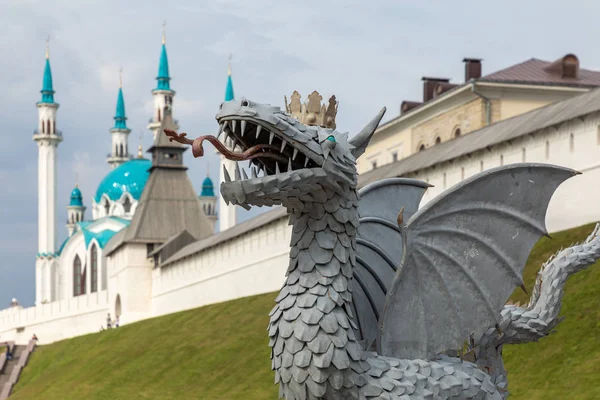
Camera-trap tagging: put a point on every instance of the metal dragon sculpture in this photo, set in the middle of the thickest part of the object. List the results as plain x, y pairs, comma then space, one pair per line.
380, 297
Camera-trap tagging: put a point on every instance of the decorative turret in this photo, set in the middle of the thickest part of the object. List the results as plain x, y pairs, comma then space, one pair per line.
209, 200
75, 210
163, 94
47, 138
119, 132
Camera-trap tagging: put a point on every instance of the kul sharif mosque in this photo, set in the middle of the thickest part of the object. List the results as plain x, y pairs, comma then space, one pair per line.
133, 204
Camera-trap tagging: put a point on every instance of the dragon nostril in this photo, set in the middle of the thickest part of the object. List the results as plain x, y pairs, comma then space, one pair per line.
245, 103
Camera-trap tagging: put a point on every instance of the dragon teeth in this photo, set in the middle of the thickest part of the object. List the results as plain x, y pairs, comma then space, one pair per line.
305, 162
258, 129
253, 172
243, 128
237, 172
244, 174
233, 123
283, 144
271, 136
277, 168
289, 164
221, 127
295, 154
227, 177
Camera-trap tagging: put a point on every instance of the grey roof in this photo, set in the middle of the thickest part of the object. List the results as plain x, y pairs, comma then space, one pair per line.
237, 230
168, 206
490, 135
173, 244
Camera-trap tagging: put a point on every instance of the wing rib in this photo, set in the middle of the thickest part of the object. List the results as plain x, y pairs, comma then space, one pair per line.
378, 250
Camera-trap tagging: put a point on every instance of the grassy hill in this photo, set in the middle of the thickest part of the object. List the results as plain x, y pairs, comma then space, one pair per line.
220, 351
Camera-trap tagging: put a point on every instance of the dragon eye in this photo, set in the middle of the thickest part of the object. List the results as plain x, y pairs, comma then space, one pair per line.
331, 138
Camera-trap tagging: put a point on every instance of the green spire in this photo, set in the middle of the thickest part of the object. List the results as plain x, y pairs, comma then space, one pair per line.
163, 67
120, 117
229, 89
47, 90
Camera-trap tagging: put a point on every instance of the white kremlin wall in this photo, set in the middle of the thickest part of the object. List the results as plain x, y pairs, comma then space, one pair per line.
255, 261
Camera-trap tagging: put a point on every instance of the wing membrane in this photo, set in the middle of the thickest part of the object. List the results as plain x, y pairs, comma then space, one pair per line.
466, 251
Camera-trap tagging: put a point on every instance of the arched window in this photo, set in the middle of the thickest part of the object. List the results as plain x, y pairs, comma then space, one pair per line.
457, 132
438, 140
94, 262
48, 127
501, 159
572, 142
481, 165
76, 276
106, 206
121, 148
127, 204
209, 213
159, 115
422, 147
53, 126
43, 127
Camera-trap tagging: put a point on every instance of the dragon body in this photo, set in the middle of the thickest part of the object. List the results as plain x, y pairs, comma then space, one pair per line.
377, 307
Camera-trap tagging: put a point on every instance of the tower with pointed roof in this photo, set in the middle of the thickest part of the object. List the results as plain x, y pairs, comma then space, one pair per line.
75, 210
119, 132
163, 94
209, 200
227, 213
47, 138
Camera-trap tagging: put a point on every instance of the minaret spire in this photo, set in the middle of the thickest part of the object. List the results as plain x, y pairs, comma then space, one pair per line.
163, 94
48, 48
227, 213
119, 132
47, 138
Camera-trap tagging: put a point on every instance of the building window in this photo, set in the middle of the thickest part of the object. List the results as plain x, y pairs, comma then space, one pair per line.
127, 204
48, 127
149, 248
547, 150
462, 173
94, 262
524, 151
572, 142
77, 276
457, 132
159, 115
501, 159
53, 126
422, 147
481, 166
395, 156
106, 206
438, 140
374, 164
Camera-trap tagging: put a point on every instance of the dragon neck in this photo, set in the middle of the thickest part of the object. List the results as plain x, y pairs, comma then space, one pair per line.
311, 326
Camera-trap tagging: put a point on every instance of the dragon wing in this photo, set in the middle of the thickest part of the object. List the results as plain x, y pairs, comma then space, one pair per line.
378, 252
465, 254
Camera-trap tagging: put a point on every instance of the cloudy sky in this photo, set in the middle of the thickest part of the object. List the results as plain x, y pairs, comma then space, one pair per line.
368, 53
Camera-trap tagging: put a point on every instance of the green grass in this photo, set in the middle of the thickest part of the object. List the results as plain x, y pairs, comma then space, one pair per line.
220, 351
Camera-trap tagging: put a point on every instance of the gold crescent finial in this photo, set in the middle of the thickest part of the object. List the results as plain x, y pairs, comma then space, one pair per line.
121, 77
208, 170
140, 155
76, 179
229, 64
164, 31
48, 47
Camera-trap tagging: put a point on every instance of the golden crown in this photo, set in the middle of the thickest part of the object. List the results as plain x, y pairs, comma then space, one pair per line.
312, 112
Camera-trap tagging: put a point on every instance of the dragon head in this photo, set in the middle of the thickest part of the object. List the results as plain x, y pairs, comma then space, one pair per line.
296, 160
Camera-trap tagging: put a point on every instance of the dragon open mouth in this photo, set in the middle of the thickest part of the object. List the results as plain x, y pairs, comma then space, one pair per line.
266, 148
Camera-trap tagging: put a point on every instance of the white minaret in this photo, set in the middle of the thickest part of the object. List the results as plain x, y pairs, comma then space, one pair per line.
163, 94
227, 213
208, 200
120, 133
47, 138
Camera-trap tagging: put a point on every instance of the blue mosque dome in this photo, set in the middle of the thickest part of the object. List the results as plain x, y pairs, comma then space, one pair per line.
207, 188
76, 198
129, 177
